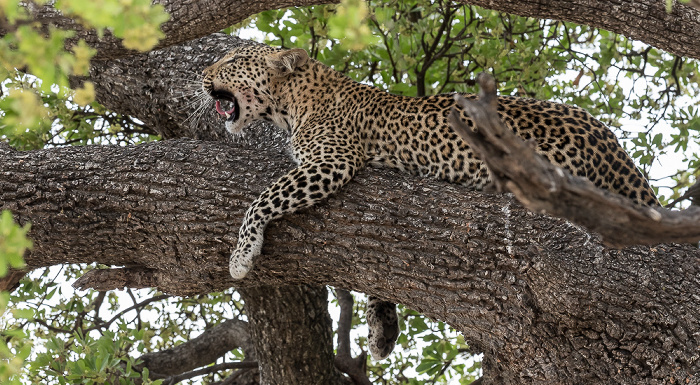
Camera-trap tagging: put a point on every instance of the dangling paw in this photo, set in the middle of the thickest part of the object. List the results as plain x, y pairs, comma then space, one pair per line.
383, 324
239, 265
242, 258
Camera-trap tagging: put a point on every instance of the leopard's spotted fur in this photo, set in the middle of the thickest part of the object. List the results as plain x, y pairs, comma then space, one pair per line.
337, 126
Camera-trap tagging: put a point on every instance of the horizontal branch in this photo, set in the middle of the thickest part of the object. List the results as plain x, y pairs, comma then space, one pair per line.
189, 19
647, 21
544, 187
201, 351
211, 369
511, 281
644, 20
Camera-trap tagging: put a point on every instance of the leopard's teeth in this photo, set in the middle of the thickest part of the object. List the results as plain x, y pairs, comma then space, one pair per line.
227, 115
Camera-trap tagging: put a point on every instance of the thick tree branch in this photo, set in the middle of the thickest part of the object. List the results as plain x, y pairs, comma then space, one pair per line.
535, 294
645, 20
285, 318
200, 351
695, 4
544, 187
168, 82
162, 88
528, 290
210, 369
189, 19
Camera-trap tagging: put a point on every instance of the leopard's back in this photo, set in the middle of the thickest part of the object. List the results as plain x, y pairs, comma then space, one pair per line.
413, 134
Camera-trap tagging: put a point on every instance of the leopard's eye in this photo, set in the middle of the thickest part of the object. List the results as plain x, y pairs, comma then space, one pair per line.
233, 59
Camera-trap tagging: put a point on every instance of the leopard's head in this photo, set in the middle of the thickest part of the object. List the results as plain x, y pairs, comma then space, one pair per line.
243, 82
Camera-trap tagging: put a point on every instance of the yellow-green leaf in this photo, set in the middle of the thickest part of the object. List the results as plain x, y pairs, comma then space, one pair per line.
85, 95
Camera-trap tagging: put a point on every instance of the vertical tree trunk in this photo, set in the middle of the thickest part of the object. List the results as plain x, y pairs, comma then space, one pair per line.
292, 329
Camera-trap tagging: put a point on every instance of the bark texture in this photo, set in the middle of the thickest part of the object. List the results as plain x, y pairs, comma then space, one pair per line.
189, 19
544, 300
200, 351
162, 88
170, 85
275, 315
645, 20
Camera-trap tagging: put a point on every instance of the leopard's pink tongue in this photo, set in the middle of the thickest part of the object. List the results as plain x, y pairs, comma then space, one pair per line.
222, 112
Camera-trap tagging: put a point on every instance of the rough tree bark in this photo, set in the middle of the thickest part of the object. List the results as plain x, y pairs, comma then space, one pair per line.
168, 84
201, 351
543, 299
277, 315
645, 20
190, 19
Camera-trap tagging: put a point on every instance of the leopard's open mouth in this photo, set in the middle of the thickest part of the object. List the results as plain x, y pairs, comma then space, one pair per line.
225, 99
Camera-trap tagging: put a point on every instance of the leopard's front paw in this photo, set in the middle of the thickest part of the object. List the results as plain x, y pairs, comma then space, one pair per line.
240, 263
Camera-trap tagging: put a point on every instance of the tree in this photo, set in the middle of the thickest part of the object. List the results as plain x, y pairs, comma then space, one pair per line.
535, 294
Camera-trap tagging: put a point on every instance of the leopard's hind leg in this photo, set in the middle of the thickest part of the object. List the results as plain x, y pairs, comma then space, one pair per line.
383, 324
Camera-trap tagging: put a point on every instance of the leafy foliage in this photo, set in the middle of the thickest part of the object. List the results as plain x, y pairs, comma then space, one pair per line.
36, 103
13, 243
427, 352
31, 119
98, 337
14, 346
348, 25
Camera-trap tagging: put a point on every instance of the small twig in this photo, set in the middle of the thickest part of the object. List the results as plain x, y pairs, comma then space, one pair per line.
543, 187
692, 194
211, 369
230, 379
136, 306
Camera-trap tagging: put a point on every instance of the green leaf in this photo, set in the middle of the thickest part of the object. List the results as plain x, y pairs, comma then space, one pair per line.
428, 365
13, 243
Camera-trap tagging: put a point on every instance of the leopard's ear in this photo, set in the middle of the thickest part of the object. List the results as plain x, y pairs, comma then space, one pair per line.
285, 62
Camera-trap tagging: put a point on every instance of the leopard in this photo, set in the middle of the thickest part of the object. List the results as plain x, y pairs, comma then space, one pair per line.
337, 126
